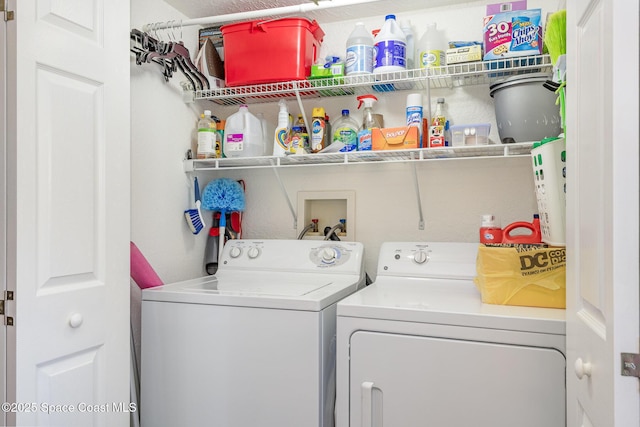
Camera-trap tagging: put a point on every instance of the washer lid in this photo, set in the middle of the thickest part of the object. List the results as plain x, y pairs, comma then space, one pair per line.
293, 291
445, 302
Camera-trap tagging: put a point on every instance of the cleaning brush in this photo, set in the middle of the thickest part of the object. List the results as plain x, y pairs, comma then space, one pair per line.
194, 217
223, 195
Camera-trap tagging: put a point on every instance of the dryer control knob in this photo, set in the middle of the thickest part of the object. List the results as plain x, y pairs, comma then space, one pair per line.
420, 257
235, 252
253, 252
329, 255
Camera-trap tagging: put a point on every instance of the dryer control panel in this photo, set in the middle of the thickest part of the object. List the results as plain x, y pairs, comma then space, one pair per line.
449, 260
293, 255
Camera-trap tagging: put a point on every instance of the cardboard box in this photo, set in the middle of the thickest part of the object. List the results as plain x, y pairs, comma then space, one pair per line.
512, 34
492, 9
399, 138
464, 54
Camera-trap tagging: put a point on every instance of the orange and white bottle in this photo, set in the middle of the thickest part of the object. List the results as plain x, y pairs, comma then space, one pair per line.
490, 231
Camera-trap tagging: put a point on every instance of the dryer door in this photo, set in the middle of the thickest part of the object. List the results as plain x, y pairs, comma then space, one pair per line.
405, 380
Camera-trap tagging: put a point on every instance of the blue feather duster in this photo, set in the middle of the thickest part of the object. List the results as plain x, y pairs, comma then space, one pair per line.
223, 195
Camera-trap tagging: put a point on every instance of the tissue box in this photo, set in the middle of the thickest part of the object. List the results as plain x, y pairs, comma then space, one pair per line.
511, 34
464, 54
394, 138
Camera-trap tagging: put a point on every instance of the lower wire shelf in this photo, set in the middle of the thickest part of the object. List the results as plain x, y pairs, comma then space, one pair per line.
362, 157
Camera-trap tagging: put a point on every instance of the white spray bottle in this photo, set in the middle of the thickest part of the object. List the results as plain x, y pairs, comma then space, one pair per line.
281, 137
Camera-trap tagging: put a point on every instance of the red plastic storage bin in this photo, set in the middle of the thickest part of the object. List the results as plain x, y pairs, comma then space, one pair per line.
267, 51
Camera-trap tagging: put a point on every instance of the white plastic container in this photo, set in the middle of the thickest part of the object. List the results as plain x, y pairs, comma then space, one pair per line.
390, 46
430, 50
359, 58
470, 134
206, 136
243, 135
550, 179
414, 112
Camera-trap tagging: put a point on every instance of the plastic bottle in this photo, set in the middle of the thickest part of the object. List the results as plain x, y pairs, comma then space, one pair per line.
304, 132
345, 131
220, 138
438, 125
318, 127
243, 135
406, 28
283, 130
369, 121
206, 136
390, 46
430, 48
359, 58
414, 112
267, 130
490, 231
534, 235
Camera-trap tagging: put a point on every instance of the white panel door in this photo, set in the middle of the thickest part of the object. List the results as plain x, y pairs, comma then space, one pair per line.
407, 380
3, 211
602, 211
68, 212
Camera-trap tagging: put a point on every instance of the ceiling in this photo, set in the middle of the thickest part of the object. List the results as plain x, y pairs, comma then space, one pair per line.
205, 8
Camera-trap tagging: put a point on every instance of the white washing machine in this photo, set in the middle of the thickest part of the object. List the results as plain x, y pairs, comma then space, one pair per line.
253, 345
418, 347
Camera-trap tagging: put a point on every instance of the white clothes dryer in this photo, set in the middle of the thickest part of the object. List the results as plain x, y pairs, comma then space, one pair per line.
253, 345
418, 347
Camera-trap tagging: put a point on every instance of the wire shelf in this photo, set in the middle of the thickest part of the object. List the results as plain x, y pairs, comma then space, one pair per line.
363, 157
448, 76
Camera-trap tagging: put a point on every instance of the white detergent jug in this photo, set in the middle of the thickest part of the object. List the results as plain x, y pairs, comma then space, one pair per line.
243, 135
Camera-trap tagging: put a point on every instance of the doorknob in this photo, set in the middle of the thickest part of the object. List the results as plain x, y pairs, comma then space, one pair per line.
75, 320
582, 369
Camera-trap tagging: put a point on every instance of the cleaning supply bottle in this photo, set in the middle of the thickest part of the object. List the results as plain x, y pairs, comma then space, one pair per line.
369, 121
220, 138
406, 28
533, 236
304, 132
318, 126
390, 46
438, 124
414, 112
243, 134
206, 136
345, 131
431, 47
282, 134
359, 58
490, 231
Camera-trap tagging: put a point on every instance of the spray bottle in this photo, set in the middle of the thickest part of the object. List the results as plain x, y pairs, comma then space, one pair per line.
369, 121
281, 137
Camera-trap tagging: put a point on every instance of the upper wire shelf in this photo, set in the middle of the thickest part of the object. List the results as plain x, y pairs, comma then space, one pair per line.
363, 157
448, 76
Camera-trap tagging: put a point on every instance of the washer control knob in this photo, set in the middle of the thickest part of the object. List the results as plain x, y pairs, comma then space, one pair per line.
420, 257
253, 252
329, 255
235, 252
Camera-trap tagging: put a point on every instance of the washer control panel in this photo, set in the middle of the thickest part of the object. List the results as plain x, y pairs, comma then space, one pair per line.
293, 255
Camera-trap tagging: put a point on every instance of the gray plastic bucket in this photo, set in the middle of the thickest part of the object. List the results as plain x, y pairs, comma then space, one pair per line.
526, 111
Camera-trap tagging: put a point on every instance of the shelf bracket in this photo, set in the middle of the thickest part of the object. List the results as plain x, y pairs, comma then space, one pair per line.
417, 186
301, 106
284, 192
